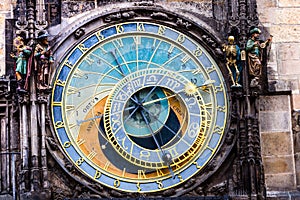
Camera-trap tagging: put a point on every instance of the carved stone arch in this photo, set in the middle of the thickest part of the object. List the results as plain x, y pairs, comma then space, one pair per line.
211, 180
67, 37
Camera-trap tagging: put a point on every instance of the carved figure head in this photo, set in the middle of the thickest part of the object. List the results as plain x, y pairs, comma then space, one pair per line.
231, 39
255, 30
255, 33
19, 43
43, 38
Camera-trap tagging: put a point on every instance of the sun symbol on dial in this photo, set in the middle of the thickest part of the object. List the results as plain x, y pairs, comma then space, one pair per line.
190, 89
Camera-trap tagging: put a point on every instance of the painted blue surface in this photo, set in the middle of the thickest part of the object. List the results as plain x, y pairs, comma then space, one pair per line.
57, 95
110, 62
91, 41
73, 58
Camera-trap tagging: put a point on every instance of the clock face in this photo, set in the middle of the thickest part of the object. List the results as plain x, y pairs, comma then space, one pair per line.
139, 106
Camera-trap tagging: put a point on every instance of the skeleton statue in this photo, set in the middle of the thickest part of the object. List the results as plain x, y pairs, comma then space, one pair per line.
233, 58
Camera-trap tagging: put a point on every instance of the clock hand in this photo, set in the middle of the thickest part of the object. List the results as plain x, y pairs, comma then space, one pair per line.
191, 88
119, 66
144, 99
167, 127
156, 100
86, 120
120, 70
206, 84
135, 109
166, 157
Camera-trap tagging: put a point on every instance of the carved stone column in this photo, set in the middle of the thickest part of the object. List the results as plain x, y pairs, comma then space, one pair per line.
43, 99
24, 143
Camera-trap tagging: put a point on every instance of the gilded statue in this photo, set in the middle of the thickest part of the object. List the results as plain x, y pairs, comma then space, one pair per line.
254, 51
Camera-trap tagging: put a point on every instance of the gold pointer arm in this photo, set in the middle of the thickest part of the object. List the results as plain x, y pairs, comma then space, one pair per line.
156, 100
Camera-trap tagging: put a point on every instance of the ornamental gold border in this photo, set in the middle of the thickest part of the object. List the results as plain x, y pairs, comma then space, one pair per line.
58, 82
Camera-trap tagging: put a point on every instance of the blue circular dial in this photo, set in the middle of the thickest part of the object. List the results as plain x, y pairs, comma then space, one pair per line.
139, 106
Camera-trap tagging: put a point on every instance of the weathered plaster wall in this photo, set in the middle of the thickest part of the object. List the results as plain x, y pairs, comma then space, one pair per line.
281, 18
5, 13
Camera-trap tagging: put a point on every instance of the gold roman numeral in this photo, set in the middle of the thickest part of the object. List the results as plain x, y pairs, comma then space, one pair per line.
92, 155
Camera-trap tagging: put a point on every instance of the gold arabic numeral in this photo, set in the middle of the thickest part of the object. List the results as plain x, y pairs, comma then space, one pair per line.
218, 129
185, 59
211, 69
100, 36
67, 144
160, 185
145, 154
117, 183
119, 28
180, 38
138, 187
140, 27
179, 177
60, 83
197, 165
142, 174
79, 161
221, 108
82, 48
59, 124
219, 88
161, 30
97, 174
89, 60
68, 64
80, 141
92, 155
70, 107
198, 52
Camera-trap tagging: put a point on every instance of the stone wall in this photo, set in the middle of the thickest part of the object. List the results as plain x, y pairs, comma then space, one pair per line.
281, 18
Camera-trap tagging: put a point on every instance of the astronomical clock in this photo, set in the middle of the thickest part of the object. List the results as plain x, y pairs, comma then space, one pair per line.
139, 106
137, 103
